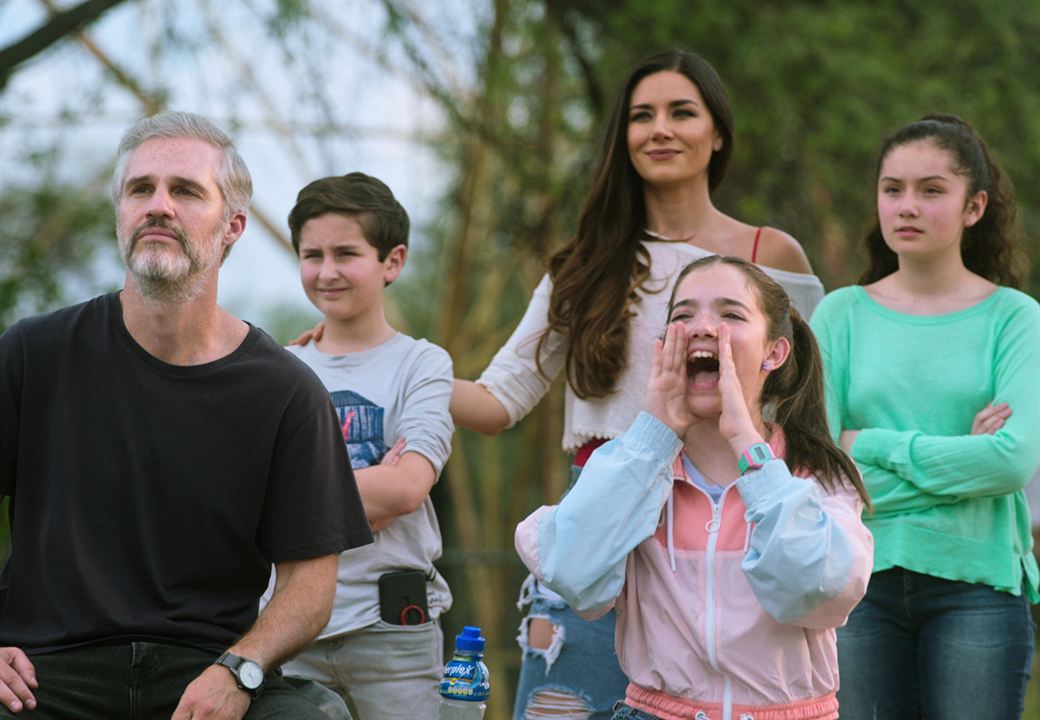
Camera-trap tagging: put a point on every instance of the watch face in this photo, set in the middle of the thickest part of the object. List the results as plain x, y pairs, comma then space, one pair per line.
251, 675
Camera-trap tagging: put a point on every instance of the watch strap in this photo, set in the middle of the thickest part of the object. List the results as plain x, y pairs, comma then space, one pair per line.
754, 457
234, 663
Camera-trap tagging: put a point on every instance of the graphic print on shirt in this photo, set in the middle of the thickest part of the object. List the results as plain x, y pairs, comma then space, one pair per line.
361, 421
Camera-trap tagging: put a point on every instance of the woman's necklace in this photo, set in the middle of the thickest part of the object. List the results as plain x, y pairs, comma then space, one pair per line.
665, 238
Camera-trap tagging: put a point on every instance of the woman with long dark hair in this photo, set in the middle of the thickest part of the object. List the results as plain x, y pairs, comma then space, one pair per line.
933, 368
648, 213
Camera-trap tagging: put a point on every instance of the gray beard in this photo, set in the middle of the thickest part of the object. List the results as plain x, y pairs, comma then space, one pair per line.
164, 280
162, 288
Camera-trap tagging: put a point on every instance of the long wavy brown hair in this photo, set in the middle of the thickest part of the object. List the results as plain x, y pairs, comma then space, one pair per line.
992, 247
795, 389
597, 273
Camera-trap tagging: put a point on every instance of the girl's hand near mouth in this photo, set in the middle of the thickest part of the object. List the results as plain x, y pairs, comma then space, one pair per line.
666, 391
735, 422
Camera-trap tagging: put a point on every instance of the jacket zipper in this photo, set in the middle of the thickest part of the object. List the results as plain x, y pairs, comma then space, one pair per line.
712, 527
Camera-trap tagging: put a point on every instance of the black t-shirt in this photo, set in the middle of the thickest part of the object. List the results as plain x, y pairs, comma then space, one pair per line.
149, 499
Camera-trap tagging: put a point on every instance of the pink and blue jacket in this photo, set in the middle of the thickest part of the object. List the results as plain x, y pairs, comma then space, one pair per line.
727, 610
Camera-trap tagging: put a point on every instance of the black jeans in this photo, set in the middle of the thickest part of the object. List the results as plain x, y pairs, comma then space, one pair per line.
139, 681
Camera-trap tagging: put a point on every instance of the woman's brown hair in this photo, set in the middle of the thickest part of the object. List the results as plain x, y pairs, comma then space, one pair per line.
992, 247
597, 273
795, 389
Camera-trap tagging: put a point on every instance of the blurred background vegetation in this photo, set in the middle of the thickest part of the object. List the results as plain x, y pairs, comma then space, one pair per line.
519, 98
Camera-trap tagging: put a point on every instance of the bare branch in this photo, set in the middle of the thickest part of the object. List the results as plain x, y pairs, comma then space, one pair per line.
59, 26
245, 71
151, 102
276, 230
446, 97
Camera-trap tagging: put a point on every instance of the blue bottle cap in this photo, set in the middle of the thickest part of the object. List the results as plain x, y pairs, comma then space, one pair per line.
470, 639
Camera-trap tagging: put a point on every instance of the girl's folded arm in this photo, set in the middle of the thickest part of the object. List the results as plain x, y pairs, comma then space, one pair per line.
891, 494
975, 465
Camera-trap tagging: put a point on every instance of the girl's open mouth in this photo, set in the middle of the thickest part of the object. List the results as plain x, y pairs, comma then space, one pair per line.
702, 368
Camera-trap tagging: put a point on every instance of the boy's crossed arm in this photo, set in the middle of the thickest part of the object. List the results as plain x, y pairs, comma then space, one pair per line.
397, 486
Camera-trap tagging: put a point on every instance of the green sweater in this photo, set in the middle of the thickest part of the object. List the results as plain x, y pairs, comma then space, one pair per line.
946, 503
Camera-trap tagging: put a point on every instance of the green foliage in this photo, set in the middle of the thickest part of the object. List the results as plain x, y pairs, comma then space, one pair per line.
52, 236
286, 322
288, 15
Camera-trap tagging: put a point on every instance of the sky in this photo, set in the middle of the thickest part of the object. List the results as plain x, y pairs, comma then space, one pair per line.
209, 55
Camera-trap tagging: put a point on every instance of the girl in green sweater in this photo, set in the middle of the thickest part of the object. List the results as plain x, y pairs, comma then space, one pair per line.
933, 370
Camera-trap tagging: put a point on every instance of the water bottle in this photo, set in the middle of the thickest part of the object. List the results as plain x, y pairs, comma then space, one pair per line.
466, 684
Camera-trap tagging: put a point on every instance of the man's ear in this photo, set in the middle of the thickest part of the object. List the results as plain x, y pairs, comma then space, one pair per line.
235, 227
393, 263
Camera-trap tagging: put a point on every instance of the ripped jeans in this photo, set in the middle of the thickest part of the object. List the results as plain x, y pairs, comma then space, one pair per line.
578, 670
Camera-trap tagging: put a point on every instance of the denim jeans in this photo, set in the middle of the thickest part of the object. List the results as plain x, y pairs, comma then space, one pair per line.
139, 681
383, 671
582, 662
918, 646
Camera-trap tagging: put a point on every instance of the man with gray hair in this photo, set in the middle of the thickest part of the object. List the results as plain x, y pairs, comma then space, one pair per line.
160, 455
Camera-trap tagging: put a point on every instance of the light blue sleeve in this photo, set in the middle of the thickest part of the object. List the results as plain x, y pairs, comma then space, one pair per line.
810, 555
584, 542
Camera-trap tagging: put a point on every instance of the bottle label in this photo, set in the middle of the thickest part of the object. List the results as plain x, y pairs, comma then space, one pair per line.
461, 672
465, 680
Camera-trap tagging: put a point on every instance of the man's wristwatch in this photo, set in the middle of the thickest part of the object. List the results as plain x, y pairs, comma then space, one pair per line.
248, 674
754, 458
